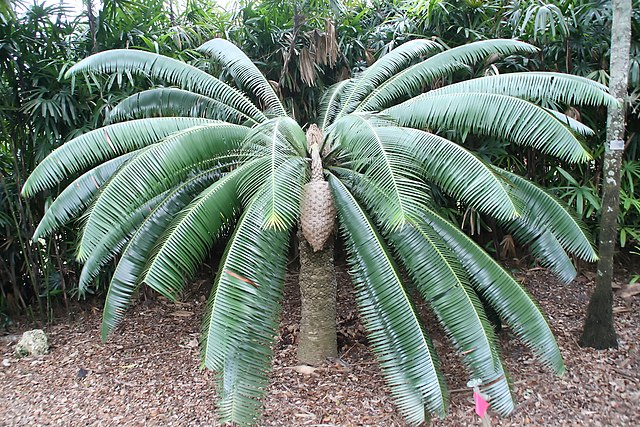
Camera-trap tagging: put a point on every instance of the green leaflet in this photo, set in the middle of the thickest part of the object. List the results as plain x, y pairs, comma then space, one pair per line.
242, 314
404, 352
103, 144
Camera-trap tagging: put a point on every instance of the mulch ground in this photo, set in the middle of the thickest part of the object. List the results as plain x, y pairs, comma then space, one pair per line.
148, 373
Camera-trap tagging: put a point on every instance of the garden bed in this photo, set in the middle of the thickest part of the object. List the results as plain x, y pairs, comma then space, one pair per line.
148, 373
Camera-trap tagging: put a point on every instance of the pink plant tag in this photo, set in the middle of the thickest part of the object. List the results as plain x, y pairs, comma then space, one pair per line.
481, 404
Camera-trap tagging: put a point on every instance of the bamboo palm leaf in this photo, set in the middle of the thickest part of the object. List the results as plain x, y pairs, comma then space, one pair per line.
537, 87
170, 70
117, 238
191, 234
443, 283
505, 295
405, 354
454, 169
77, 196
155, 170
383, 69
244, 71
495, 115
102, 144
175, 102
242, 315
413, 79
544, 211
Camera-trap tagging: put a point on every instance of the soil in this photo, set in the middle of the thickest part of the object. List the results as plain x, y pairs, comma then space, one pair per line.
148, 372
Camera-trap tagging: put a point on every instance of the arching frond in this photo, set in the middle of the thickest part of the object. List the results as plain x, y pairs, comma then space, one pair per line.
390, 174
175, 102
191, 234
155, 170
242, 316
171, 70
114, 242
330, 103
499, 116
77, 196
545, 247
571, 123
413, 79
383, 69
125, 281
283, 143
537, 87
103, 144
404, 352
454, 169
244, 71
506, 296
444, 284
543, 211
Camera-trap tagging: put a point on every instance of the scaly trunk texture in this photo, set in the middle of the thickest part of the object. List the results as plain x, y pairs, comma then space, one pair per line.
317, 339
317, 280
598, 329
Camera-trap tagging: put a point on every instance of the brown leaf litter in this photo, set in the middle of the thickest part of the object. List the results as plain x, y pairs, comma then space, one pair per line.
148, 373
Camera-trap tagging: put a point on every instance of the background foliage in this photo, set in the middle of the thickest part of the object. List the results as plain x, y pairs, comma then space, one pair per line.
302, 47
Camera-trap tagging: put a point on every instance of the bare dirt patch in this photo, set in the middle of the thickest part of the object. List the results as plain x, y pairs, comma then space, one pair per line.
148, 373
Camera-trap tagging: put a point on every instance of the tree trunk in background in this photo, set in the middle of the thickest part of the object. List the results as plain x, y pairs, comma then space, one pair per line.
93, 29
317, 339
598, 329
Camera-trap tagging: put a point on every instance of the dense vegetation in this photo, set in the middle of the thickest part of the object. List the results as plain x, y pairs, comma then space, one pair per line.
302, 48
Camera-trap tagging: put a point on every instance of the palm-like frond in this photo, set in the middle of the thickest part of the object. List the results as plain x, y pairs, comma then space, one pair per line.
77, 196
444, 284
540, 87
505, 295
405, 354
103, 144
416, 77
454, 169
244, 71
571, 123
113, 243
545, 247
164, 102
383, 69
118, 237
125, 281
500, 116
156, 170
544, 211
364, 145
190, 235
282, 142
242, 315
170, 70
330, 103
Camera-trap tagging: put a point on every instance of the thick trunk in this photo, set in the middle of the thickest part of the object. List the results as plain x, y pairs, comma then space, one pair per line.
317, 339
598, 329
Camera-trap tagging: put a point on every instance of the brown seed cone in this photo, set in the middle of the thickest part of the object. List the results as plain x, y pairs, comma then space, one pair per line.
317, 214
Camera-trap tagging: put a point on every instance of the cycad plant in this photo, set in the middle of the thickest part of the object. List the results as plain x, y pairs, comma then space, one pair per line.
197, 160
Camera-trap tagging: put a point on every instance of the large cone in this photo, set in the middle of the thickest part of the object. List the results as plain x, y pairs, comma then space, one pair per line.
318, 214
